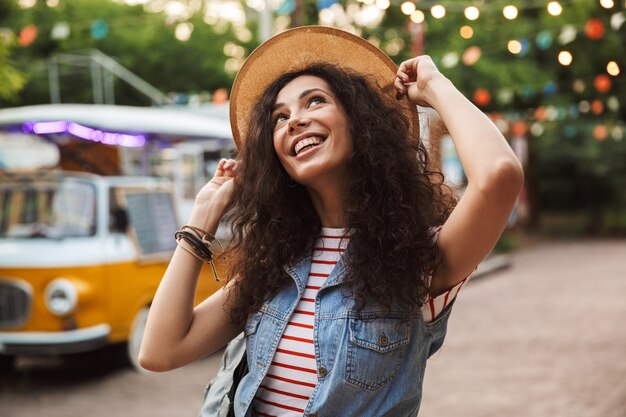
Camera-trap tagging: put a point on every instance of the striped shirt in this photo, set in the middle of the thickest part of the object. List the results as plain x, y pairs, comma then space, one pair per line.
292, 375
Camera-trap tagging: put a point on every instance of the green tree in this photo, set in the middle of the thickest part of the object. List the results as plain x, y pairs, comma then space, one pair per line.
11, 79
140, 41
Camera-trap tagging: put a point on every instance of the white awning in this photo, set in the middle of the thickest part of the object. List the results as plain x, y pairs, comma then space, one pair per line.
166, 123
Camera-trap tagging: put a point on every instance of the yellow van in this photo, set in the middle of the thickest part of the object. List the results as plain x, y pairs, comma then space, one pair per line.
81, 256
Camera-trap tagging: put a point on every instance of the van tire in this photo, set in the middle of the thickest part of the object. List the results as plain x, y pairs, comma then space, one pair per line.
134, 338
7, 363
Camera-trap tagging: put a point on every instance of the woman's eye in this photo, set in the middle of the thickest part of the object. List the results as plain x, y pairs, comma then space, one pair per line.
316, 100
280, 118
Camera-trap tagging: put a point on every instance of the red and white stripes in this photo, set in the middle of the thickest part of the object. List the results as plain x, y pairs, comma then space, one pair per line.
292, 375
434, 306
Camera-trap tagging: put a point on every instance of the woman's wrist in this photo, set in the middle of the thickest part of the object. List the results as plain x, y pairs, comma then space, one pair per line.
437, 90
206, 215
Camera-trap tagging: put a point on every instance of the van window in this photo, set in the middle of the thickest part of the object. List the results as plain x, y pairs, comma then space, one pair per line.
47, 209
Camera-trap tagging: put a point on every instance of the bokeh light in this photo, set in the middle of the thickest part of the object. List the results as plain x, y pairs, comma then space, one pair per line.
466, 32
408, 7
613, 68
183, 31
383, 4
600, 132
602, 83
514, 46
594, 29
565, 58
471, 55
510, 12
417, 16
438, 11
471, 13
554, 8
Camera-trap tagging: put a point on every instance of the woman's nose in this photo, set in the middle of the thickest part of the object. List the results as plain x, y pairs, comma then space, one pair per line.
297, 122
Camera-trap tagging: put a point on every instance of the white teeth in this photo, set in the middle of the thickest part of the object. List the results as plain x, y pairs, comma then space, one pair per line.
314, 140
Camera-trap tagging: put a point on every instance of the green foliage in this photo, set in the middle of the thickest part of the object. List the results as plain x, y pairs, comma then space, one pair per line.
11, 79
580, 175
140, 41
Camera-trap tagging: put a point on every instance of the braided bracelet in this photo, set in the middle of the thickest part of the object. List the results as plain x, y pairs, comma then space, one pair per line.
206, 237
199, 246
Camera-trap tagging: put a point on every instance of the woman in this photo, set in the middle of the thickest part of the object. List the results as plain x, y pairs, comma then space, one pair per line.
347, 252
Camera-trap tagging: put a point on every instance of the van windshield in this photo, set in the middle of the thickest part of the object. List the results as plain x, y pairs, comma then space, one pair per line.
47, 209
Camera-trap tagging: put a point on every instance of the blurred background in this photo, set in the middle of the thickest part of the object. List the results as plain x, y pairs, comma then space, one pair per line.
129, 100
551, 74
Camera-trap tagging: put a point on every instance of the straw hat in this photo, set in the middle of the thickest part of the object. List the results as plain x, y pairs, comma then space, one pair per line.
298, 48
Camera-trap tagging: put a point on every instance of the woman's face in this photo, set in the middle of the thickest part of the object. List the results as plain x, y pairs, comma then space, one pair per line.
311, 134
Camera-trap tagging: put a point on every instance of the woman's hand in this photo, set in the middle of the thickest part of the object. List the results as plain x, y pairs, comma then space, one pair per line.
220, 188
415, 77
215, 197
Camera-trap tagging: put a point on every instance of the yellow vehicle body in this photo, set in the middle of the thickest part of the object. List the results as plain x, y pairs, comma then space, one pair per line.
73, 292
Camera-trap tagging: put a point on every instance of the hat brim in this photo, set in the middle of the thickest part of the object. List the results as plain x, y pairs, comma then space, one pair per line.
294, 50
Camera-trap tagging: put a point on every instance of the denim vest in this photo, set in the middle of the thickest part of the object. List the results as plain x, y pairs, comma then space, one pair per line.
369, 365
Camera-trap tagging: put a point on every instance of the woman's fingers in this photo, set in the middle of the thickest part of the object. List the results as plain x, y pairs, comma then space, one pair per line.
226, 168
230, 167
413, 77
405, 76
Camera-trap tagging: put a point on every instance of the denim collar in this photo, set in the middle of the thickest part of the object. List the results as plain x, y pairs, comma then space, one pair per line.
299, 271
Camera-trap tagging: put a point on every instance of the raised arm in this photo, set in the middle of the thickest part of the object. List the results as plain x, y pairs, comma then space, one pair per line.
493, 172
177, 333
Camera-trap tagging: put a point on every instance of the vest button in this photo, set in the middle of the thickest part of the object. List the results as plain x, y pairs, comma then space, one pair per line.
322, 373
383, 340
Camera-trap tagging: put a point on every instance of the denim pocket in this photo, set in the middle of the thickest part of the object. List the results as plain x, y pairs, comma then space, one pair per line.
375, 351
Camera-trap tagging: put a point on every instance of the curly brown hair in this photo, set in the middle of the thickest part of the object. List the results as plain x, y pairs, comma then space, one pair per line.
391, 214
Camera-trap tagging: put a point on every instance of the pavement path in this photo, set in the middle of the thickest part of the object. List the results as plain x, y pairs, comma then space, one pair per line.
543, 338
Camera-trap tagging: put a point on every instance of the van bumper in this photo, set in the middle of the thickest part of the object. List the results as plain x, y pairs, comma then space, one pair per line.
54, 343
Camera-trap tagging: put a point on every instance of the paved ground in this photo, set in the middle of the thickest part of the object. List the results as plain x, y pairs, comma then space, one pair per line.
546, 338
543, 338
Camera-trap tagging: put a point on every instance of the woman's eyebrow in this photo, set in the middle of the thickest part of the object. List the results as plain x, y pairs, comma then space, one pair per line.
300, 97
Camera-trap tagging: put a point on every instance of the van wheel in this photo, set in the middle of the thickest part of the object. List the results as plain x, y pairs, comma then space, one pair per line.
134, 339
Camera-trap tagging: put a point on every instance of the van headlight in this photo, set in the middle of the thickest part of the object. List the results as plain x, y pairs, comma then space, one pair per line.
61, 297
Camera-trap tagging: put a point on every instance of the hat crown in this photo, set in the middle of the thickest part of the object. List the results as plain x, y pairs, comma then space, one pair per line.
295, 50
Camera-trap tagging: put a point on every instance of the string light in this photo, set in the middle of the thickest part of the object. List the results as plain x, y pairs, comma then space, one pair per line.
613, 68
584, 106
183, 31
565, 58
466, 32
554, 8
383, 4
471, 55
27, 4
438, 11
607, 4
579, 86
472, 12
417, 16
407, 7
510, 12
514, 46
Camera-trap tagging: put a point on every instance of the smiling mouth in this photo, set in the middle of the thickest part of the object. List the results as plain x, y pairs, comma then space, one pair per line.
308, 143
